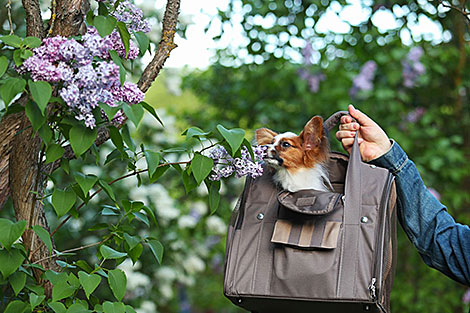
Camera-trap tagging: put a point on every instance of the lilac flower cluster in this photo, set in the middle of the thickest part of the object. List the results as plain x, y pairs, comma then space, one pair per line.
364, 80
225, 165
415, 115
313, 80
84, 71
412, 67
130, 14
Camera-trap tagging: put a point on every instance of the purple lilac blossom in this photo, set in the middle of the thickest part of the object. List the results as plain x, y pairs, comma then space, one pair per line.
130, 14
466, 297
307, 53
225, 165
85, 81
412, 67
415, 115
364, 80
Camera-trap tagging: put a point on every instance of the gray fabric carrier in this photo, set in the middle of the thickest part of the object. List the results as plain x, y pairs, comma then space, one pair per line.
315, 251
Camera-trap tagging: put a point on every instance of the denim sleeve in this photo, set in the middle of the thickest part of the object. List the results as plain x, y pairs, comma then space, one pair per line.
442, 243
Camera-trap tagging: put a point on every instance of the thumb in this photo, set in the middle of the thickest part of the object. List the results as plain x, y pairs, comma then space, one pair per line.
360, 117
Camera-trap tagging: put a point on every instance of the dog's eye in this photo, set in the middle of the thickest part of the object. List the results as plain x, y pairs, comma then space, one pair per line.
285, 144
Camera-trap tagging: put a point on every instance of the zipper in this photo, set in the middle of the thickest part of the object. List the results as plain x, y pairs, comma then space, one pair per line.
380, 242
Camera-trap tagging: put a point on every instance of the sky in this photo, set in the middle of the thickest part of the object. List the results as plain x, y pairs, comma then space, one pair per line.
194, 51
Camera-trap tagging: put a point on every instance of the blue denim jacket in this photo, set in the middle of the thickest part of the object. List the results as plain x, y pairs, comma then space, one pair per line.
442, 243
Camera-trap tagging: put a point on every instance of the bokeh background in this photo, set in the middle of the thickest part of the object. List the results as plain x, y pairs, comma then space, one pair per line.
258, 63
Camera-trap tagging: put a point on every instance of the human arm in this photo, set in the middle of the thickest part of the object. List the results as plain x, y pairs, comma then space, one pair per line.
442, 243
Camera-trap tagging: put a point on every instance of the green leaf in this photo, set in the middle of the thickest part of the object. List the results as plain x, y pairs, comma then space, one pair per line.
17, 57
103, 9
152, 111
89, 282
84, 265
194, 132
55, 277
46, 134
117, 60
78, 308
104, 24
10, 231
3, 65
143, 41
234, 137
81, 139
17, 282
41, 93
127, 138
107, 189
153, 160
201, 167
109, 253
134, 112
44, 236
114, 307
86, 182
62, 290
109, 110
158, 173
136, 252
142, 217
117, 282
132, 241
35, 300
157, 249
57, 307
10, 261
35, 116
11, 88
116, 138
54, 152
214, 195
130, 309
32, 42
189, 181
63, 201
17, 306
12, 41
125, 36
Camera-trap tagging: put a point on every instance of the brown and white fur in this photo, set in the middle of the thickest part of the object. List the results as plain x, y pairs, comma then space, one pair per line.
299, 160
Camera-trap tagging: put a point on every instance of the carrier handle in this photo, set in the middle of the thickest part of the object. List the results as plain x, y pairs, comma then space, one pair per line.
334, 119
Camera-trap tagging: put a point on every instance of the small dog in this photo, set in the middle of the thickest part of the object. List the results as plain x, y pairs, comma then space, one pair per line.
299, 160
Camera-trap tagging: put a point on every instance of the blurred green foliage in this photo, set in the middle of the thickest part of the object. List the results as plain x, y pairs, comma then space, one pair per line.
258, 85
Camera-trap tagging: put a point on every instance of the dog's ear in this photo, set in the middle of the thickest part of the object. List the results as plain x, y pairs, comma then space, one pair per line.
313, 133
264, 136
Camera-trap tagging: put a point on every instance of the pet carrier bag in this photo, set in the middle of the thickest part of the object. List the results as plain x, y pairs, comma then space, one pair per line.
313, 251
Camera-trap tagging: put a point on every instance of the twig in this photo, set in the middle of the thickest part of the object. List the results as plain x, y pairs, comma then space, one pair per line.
110, 183
53, 16
165, 46
463, 10
9, 16
72, 250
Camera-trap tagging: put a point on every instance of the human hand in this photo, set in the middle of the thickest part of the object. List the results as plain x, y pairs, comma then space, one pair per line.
373, 141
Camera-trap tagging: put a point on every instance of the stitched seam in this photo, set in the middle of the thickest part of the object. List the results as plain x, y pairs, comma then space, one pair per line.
401, 166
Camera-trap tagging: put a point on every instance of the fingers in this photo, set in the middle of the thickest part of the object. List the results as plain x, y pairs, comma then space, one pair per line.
344, 134
363, 119
349, 126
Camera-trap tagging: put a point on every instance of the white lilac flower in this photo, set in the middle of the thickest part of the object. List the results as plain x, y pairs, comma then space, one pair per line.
193, 264
216, 225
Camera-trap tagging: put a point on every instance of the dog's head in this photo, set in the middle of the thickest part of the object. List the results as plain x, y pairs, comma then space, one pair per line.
295, 152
